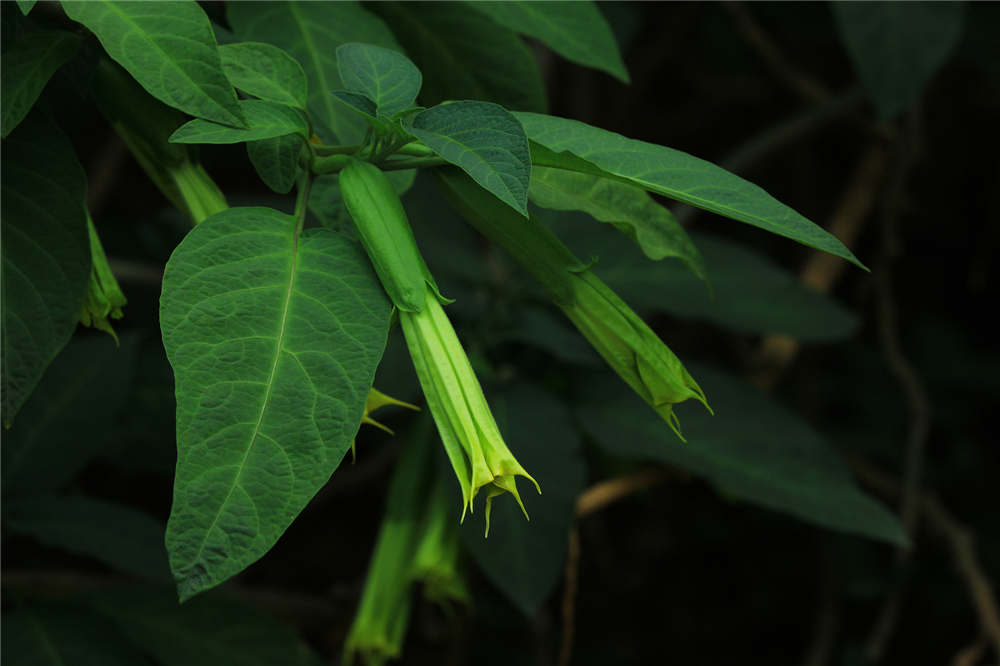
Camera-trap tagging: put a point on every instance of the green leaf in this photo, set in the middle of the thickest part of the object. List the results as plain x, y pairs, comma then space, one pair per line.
46, 254
27, 66
311, 32
465, 55
358, 102
169, 48
384, 76
748, 293
276, 160
485, 141
897, 47
574, 30
524, 560
541, 328
203, 632
265, 120
63, 636
67, 421
265, 71
126, 539
752, 449
274, 342
575, 146
26, 5
627, 208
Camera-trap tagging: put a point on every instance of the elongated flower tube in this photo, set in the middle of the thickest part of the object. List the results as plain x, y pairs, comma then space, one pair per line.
619, 335
104, 296
470, 435
471, 438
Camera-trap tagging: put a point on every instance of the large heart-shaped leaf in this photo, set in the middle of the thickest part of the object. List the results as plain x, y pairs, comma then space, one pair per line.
169, 48
628, 208
574, 30
26, 67
46, 254
311, 32
265, 120
485, 141
384, 76
465, 55
575, 146
274, 339
752, 449
265, 71
897, 47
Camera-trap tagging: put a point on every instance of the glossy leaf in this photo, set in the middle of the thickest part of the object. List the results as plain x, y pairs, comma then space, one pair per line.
747, 292
485, 141
574, 30
277, 160
46, 254
27, 66
266, 72
897, 47
60, 636
203, 632
524, 560
465, 55
67, 421
311, 32
122, 537
575, 146
384, 76
265, 120
274, 343
627, 208
752, 449
169, 48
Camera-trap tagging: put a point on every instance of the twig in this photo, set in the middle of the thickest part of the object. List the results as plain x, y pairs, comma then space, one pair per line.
916, 395
804, 86
569, 597
970, 654
822, 270
601, 494
958, 536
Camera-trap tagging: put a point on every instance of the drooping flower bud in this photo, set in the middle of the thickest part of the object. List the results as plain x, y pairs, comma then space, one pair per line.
104, 297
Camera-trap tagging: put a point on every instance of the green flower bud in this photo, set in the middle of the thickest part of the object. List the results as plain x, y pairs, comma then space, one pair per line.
377, 400
619, 335
470, 435
104, 297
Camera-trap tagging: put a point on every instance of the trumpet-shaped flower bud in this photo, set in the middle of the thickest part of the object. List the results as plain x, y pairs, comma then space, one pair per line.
618, 334
104, 297
471, 438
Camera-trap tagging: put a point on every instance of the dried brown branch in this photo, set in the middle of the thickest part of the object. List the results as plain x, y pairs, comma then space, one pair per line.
604, 493
959, 538
569, 597
822, 270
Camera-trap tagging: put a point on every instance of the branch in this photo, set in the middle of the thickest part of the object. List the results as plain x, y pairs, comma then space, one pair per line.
607, 492
569, 597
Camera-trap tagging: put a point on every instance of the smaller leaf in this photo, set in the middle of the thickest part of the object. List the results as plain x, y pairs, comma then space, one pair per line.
26, 5
386, 77
276, 160
486, 141
574, 30
266, 121
358, 102
265, 71
627, 208
122, 537
27, 66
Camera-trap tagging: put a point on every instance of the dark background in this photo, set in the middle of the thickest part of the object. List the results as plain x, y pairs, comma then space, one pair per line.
676, 573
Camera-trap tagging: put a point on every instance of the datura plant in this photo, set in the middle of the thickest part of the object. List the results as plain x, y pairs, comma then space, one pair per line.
275, 321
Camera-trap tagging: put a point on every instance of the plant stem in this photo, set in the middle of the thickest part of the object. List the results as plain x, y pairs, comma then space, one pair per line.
302, 201
415, 149
336, 150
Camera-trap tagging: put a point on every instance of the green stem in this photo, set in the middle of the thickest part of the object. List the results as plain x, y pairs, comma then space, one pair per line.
337, 150
302, 201
330, 164
412, 163
415, 149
